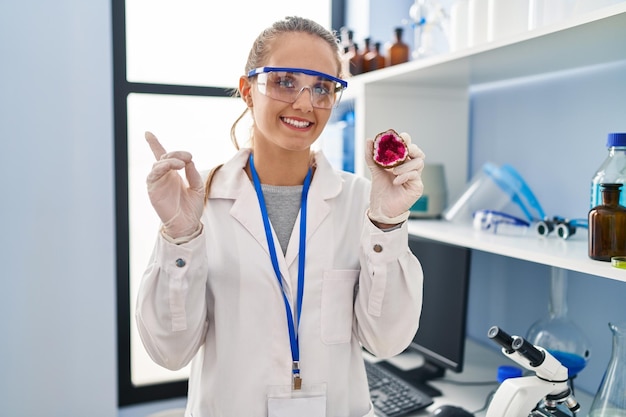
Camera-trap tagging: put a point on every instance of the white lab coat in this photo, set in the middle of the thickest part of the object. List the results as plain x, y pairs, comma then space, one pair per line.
223, 310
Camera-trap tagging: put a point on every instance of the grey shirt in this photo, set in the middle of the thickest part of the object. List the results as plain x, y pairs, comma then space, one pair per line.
283, 206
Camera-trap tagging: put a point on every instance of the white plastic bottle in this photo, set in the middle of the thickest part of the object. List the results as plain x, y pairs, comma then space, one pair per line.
612, 170
459, 18
506, 18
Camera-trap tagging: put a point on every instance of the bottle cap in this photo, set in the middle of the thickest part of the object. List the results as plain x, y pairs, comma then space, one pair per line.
616, 139
619, 262
506, 372
611, 186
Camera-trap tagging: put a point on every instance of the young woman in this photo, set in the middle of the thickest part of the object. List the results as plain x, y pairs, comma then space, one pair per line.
272, 280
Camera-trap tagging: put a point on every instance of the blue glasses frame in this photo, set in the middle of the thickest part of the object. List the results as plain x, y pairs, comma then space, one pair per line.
256, 71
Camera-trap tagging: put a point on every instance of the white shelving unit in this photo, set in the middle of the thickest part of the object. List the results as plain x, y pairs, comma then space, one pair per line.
430, 98
592, 38
568, 254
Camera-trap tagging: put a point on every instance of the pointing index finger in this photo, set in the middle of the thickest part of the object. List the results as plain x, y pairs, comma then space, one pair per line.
157, 149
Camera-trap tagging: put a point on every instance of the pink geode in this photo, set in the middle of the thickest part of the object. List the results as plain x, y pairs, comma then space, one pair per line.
390, 149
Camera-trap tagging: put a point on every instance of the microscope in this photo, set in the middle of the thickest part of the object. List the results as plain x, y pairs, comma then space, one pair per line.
531, 396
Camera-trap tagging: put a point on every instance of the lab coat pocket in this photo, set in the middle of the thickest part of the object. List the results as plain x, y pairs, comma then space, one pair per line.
338, 305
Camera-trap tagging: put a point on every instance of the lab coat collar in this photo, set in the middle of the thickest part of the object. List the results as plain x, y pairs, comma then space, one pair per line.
231, 182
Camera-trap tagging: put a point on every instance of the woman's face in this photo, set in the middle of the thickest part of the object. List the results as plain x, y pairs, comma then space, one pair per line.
291, 126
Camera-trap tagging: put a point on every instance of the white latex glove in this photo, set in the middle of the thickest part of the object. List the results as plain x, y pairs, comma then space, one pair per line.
396, 189
179, 205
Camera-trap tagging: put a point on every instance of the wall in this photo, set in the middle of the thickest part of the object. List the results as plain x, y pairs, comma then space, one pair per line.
56, 181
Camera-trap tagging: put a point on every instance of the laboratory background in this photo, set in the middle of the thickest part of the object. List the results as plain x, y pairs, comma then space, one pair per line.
59, 244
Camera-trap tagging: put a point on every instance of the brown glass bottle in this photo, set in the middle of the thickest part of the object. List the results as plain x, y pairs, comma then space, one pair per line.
607, 225
374, 59
366, 50
355, 59
398, 51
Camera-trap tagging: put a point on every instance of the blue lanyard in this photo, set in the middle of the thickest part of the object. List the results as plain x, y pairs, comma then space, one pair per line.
293, 334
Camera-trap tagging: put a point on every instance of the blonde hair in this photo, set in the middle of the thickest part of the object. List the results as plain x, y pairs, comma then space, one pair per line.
262, 48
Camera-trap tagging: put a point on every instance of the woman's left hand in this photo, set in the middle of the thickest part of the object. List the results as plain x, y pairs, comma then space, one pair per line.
395, 190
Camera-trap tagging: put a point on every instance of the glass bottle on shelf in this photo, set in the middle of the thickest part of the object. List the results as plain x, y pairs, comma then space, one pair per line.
347, 41
365, 64
398, 51
610, 400
612, 169
431, 28
556, 333
375, 60
347, 36
356, 59
607, 225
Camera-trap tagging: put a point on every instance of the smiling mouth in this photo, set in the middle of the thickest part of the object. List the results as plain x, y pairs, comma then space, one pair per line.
300, 124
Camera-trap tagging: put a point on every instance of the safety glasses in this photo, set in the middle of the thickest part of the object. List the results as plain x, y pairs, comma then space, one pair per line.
286, 84
499, 223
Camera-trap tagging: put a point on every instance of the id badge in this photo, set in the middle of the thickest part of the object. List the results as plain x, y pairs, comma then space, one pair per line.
310, 401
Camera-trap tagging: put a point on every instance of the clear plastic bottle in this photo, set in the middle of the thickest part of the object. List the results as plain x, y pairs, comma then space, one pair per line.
612, 170
607, 225
431, 28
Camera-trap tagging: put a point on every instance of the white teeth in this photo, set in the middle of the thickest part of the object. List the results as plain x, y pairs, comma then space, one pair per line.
296, 123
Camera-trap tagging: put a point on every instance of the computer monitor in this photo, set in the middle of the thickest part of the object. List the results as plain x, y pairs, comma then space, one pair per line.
440, 338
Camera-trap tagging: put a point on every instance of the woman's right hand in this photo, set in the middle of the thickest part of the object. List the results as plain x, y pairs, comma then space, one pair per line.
178, 204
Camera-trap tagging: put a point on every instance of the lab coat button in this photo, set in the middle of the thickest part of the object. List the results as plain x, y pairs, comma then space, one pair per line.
180, 262
378, 248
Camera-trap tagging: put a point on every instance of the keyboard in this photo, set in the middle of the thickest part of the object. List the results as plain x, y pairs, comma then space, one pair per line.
391, 395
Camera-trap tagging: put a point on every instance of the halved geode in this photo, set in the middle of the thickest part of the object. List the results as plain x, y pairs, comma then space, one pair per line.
390, 149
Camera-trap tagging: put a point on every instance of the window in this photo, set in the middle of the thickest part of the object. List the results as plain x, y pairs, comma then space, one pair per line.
175, 67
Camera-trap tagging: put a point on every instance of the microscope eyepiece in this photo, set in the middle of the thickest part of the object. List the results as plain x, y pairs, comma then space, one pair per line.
502, 338
528, 350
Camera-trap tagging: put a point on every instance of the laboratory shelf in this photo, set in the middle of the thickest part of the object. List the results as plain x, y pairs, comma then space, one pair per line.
568, 254
591, 38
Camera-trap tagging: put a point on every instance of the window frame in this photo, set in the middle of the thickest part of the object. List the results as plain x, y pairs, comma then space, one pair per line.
128, 393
